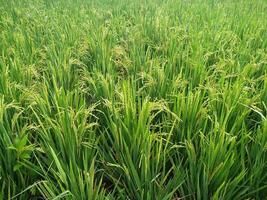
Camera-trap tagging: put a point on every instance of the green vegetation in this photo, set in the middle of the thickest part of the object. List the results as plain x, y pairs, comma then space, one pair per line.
138, 100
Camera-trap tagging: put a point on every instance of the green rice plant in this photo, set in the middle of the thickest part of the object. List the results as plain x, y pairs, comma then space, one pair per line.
126, 99
70, 139
15, 150
136, 158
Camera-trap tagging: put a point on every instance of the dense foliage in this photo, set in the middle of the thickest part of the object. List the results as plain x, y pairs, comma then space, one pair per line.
140, 100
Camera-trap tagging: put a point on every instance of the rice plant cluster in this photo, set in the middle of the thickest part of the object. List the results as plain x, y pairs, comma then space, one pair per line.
137, 100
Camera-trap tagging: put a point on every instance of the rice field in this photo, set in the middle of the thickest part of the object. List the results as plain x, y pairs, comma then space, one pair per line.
133, 100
